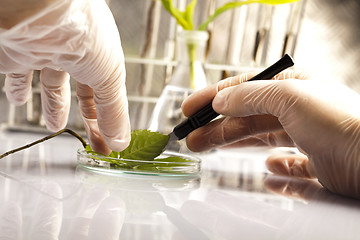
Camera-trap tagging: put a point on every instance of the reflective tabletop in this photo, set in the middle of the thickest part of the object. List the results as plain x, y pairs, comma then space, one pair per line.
45, 194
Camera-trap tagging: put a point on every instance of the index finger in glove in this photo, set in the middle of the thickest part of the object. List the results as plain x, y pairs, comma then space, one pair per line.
255, 93
200, 98
88, 111
253, 98
113, 119
105, 112
101, 67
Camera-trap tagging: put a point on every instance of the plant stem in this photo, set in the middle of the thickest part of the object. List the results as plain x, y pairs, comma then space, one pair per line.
71, 132
192, 51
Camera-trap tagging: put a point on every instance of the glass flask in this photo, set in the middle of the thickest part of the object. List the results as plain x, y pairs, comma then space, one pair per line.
188, 76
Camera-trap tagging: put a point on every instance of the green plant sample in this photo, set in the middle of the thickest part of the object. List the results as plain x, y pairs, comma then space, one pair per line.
145, 146
186, 20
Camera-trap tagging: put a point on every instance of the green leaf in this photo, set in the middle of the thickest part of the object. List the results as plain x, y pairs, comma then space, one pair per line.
114, 154
88, 148
184, 19
90, 151
162, 167
203, 26
189, 14
173, 159
145, 145
275, 2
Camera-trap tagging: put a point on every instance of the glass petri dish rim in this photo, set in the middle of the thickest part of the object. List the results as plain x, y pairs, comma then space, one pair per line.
187, 168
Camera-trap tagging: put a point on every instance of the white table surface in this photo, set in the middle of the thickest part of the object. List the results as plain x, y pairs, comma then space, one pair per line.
44, 194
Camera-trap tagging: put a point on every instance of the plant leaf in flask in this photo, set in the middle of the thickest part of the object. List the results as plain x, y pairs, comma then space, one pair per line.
188, 76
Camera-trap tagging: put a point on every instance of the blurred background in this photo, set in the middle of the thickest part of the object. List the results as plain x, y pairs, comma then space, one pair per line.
321, 35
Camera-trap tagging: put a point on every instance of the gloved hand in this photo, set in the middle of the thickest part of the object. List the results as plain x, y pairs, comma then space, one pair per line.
76, 37
321, 119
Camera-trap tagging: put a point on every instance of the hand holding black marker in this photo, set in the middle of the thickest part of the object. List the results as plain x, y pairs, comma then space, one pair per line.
207, 113
320, 119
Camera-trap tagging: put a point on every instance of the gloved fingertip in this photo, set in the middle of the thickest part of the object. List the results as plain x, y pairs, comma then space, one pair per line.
116, 130
18, 99
55, 118
118, 143
17, 88
96, 141
99, 146
55, 126
55, 98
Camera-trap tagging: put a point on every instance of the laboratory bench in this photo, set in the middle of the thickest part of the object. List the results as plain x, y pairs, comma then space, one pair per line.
45, 194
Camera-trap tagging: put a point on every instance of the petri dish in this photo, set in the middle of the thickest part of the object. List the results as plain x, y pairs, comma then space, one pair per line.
160, 166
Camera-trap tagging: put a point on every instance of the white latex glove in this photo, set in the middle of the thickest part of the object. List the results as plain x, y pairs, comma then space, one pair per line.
321, 119
80, 38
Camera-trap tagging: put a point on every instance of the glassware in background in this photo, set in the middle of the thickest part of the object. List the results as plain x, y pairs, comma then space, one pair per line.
189, 76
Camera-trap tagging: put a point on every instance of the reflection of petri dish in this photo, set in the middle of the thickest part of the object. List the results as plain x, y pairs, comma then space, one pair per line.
137, 182
159, 166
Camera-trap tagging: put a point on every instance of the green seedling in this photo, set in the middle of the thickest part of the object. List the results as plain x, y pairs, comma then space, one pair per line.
186, 20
